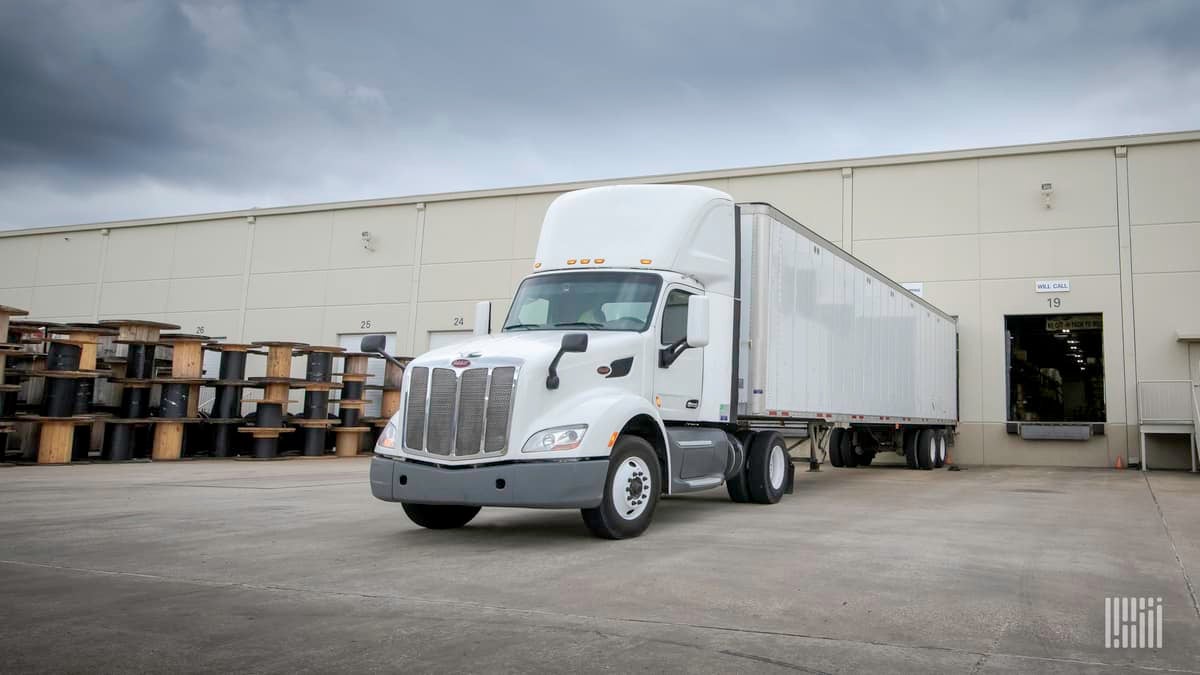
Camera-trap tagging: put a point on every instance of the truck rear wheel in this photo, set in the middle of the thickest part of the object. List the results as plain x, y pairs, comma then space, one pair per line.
440, 516
927, 449
767, 467
941, 448
849, 456
910, 448
630, 491
835, 447
736, 486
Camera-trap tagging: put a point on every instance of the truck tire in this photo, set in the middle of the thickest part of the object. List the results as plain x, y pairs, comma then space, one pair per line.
849, 457
630, 491
440, 516
835, 447
941, 449
767, 467
866, 458
736, 486
910, 448
926, 449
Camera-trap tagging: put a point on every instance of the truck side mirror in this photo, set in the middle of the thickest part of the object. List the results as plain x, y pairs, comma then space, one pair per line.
571, 343
373, 344
697, 324
483, 318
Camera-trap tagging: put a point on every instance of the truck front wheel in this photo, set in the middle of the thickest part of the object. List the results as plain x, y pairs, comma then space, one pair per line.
767, 468
630, 491
440, 516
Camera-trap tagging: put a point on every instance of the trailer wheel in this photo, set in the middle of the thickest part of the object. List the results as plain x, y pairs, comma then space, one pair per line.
941, 449
630, 491
910, 448
739, 491
835, 447
927, 449
440, 516
866, 458
767, 467
849, 456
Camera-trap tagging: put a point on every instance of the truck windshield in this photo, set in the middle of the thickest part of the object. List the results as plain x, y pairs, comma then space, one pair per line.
587, 300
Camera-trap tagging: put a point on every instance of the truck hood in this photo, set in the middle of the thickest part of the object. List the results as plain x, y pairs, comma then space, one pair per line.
536, 348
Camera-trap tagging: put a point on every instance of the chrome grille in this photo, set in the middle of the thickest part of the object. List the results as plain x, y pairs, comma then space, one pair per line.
499, 402
472, 392
443, 389
459, 414
414, 417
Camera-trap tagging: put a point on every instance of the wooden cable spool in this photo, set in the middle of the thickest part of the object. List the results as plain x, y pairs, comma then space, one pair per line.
270, 408
354, 376
317, 385
179, 404
227, 406
8, 388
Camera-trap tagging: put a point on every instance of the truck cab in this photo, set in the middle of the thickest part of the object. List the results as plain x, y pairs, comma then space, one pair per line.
611, 381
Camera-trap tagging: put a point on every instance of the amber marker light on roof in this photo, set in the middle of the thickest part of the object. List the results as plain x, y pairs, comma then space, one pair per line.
570, 261
584, 261
646, 261
599, 261
536, 265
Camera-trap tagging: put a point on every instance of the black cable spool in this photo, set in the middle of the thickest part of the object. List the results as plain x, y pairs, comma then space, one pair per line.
316, 403
351, 391
174, 402
61, 392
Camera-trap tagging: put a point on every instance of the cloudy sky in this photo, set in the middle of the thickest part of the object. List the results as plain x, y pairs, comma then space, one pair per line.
113, 109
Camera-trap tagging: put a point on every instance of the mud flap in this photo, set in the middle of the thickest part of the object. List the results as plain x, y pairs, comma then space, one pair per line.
791, 479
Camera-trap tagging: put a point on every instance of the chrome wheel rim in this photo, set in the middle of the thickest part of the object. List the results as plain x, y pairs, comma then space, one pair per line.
777, 467
942, 450
631, 488
933, 450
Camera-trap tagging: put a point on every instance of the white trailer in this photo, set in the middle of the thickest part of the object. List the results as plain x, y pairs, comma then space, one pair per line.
829, 340
661, 329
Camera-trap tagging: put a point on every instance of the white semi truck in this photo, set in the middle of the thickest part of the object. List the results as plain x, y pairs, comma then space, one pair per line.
661, 329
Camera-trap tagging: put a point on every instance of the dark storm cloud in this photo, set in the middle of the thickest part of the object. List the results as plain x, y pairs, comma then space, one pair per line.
113, 109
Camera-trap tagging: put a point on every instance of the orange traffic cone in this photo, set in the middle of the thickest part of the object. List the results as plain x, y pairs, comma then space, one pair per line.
1120, 462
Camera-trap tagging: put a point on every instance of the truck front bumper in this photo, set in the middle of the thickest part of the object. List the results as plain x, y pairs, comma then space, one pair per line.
568, 484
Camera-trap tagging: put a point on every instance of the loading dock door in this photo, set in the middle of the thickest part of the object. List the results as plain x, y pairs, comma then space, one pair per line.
1055, 368
445, 338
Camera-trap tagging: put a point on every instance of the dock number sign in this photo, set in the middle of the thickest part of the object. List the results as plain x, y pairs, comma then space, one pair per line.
1053, 285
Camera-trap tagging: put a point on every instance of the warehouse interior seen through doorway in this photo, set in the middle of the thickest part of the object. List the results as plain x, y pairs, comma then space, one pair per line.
1055, 368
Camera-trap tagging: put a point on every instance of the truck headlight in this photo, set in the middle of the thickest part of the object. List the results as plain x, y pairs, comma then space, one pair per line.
388, 438
558, 438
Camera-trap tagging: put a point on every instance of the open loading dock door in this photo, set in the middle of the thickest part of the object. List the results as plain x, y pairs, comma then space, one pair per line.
1055, 374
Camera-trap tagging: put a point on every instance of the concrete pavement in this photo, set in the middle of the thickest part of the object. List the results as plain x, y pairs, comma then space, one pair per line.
284, 566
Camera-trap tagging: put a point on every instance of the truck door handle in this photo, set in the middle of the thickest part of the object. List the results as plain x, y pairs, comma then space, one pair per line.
693, 404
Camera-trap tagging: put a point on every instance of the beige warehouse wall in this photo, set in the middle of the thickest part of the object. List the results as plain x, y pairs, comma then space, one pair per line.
974, 229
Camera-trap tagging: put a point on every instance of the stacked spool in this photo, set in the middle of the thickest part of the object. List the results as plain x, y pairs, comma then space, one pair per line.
227, 405
57, 416
350, 405
318, 375
180, 400
276, 386
8, 391
133, 377
389, 402
25, 370
88, 337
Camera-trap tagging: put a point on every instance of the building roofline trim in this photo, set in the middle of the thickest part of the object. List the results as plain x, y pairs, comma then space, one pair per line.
715, 174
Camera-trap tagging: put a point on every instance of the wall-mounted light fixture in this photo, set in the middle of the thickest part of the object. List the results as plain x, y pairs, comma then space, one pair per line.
367, 244
1047, 190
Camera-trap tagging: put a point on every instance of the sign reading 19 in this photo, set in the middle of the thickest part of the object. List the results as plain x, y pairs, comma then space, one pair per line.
1054, 303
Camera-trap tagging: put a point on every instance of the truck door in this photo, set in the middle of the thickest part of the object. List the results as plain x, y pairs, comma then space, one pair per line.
677, 388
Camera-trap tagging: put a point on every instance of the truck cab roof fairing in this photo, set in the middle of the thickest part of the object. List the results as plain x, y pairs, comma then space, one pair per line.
683, 228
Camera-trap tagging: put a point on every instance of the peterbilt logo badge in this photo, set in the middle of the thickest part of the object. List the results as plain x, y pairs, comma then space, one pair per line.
460, 363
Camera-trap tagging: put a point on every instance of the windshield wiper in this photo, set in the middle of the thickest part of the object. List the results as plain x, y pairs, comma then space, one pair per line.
579, 324
522, 325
